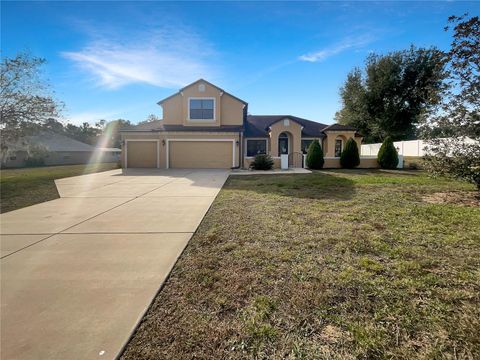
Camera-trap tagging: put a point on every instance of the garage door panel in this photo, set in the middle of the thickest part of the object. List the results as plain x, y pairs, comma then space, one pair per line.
142, 154
200, 154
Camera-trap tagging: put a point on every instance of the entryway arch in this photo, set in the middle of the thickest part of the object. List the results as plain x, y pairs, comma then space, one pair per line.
284, 143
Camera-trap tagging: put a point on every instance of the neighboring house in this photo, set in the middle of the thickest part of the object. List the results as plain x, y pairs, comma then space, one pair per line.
56, 149
204, 126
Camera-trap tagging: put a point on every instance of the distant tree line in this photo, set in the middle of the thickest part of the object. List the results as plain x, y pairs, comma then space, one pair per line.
103, 132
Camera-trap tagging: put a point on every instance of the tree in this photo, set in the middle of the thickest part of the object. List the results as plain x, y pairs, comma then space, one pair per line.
350, 158
387, 155
450, 152
110, 136
150, 118
26, 101
314, 158
85, 133
393, 93
354, 111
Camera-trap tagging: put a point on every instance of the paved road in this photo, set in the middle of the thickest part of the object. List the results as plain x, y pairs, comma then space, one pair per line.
79, 272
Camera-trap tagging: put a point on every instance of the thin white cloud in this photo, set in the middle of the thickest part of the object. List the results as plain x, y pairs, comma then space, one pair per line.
90, 117
344, 45
167, 58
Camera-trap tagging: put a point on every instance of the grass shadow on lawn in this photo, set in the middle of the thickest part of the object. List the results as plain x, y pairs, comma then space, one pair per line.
276, 272
304, 186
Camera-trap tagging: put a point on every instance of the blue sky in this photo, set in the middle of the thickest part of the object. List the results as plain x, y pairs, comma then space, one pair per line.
116, 59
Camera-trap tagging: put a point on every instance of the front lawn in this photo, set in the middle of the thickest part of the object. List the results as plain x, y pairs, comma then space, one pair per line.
330, 265
29, 186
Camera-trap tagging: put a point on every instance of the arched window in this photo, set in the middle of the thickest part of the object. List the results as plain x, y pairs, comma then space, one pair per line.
338, 147
283, 143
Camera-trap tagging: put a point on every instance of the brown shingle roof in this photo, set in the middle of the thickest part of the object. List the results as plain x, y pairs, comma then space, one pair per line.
339, 127
157, 126
257, 125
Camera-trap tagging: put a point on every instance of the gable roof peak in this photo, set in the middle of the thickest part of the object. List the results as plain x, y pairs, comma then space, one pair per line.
208, 83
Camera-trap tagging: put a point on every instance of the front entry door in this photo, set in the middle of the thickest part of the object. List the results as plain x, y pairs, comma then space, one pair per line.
283, 144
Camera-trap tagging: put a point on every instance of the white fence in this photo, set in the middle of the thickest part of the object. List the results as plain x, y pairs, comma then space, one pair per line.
405, 148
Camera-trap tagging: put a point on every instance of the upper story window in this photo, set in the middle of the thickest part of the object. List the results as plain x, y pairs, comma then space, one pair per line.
201, 109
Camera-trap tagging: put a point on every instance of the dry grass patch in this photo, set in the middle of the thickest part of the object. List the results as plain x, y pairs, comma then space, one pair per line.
454, 197
334, 265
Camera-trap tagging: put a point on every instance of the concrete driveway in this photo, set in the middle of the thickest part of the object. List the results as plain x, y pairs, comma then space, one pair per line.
79, 272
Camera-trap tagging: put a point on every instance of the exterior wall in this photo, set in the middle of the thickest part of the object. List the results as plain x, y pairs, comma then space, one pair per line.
329, 142
295, 136
15, 159
365, 163
276, 159
173, 110
162, 137
228, 110
232, 111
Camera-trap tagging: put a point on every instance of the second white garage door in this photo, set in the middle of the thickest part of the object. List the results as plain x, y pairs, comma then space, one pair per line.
201, 154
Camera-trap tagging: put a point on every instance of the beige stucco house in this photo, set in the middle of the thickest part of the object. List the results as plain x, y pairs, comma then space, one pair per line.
204, 126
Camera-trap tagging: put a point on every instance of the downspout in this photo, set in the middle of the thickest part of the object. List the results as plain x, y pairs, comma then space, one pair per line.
240, 162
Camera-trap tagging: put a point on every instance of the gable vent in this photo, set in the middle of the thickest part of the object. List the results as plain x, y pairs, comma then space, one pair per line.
201, 87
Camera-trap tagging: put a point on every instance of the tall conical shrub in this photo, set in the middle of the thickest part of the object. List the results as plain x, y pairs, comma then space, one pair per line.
315, 156
350, 157
388, 156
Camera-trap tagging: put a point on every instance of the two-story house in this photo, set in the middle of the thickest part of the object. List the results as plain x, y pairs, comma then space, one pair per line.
204, 126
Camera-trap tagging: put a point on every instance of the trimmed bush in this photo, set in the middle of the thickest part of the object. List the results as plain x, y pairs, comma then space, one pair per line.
315, 156
388, 156
262, 162
350, 157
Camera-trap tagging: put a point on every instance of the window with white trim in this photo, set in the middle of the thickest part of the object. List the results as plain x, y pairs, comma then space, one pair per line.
256, 146
201, 109
338, 147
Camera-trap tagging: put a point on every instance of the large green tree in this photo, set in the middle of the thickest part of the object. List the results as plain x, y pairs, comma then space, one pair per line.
454, 131
354, 110
26, 99
393, 92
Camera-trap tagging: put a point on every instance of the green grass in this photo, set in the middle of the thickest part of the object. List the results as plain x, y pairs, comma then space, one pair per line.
29, 186
330, 265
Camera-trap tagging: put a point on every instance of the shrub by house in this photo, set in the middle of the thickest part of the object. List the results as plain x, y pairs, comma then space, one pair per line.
262, 162
350, 156
315, 156
387, 155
